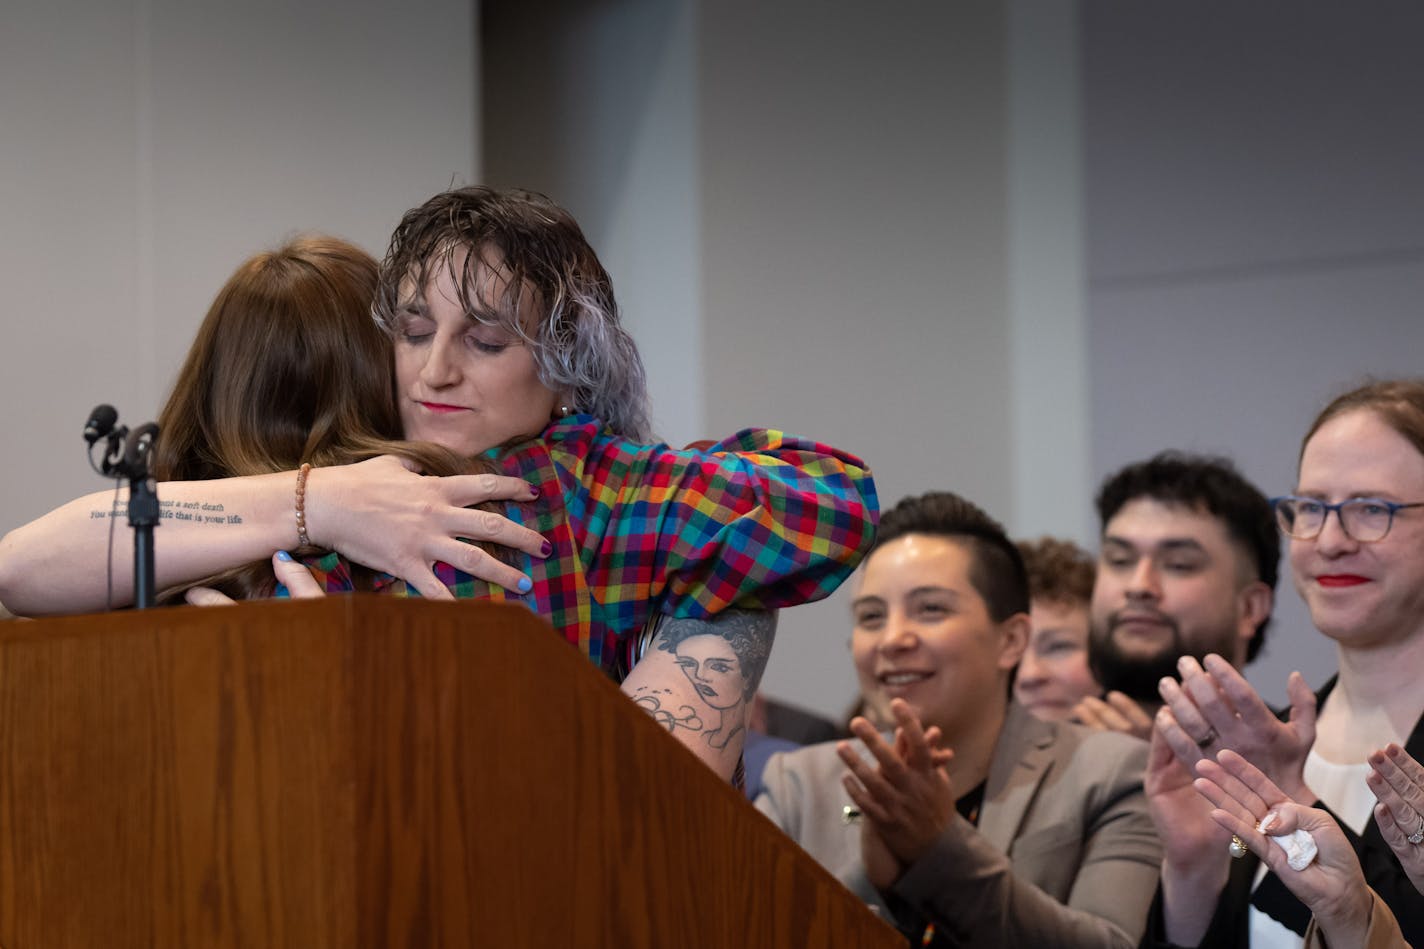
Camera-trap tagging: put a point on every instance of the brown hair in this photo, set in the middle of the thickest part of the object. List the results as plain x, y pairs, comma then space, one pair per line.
1059, 571
1399, 403
288, 367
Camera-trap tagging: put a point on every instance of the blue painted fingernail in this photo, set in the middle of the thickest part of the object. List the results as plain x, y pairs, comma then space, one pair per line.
283, 556
525, 584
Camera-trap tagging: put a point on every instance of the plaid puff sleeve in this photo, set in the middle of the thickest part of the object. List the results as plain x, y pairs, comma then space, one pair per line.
760, 520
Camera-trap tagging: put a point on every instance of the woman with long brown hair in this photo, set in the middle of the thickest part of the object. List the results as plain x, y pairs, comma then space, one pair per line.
288, 368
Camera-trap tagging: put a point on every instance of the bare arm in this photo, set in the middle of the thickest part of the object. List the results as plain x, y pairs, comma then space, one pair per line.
377, 513
697, 680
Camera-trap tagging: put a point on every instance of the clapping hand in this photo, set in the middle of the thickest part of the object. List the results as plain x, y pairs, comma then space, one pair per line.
905, 796
1332, 884
1215, 708
1398, 782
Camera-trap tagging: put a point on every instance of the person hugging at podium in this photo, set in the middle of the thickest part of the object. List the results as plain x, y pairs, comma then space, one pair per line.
973, 823
504, 344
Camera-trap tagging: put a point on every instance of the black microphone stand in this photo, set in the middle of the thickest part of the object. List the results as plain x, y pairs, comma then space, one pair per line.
143, 510
131, 460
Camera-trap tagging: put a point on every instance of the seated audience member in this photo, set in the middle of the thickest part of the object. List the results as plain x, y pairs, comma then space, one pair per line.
1188, 566
1345, 911
1356, 528
1053, 676
976, 819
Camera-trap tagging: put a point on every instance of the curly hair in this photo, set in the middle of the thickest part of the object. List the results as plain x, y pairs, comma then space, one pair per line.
996, 569
580, 347
1059, 571
1214, 485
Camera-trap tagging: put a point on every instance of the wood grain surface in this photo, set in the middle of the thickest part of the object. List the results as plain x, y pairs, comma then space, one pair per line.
371, 772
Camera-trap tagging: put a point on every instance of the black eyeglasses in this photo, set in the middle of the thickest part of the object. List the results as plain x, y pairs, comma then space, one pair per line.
1362, 519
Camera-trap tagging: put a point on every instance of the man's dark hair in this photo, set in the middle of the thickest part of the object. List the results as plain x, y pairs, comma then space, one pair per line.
996, 569
1211, 484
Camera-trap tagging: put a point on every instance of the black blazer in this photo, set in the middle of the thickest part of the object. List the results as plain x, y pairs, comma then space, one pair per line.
1229, 928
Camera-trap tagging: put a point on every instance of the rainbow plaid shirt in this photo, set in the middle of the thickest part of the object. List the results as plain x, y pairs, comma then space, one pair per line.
760, 520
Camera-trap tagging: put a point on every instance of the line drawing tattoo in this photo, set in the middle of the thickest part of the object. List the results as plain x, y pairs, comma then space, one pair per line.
667, 718
723, 659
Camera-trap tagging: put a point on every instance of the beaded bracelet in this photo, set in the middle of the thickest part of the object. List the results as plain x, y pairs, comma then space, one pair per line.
302, 539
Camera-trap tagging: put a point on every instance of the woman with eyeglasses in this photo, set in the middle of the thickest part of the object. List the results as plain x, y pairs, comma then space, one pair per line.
1355, 524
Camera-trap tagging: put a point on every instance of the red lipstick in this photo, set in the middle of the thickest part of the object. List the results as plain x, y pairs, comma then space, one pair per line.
1341, 580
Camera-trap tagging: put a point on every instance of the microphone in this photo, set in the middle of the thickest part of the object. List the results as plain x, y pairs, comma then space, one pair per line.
101, 422
137, 449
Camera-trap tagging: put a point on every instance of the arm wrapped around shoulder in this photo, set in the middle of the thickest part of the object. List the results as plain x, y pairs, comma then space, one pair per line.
762, 520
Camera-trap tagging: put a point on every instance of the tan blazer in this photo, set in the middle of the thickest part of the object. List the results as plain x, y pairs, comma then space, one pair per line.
1383, 932
1065, 853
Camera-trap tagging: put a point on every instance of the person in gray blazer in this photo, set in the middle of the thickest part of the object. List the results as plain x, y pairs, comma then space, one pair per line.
973, 824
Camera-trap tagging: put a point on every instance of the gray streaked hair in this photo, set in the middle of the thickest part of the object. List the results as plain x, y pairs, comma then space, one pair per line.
534, 246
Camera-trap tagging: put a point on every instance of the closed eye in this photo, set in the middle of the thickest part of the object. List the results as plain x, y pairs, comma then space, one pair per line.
413, 326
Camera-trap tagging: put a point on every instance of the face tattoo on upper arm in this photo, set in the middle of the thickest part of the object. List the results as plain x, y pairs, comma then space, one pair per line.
723, 660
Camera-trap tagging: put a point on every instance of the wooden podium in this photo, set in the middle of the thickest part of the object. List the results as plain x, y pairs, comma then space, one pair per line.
368, 772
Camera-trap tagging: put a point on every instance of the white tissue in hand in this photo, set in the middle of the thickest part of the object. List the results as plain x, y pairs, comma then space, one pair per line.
1298, 844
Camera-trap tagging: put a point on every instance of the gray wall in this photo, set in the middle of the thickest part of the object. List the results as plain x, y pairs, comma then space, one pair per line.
1255, 233
845, 174
147, 147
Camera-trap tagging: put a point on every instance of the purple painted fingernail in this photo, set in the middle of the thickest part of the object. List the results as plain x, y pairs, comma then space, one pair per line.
546, 548
533, 490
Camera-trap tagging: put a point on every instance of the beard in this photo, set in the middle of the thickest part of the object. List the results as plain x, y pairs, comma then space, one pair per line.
1136, 676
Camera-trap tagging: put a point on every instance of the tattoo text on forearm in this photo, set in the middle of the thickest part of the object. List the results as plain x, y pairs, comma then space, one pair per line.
196, 512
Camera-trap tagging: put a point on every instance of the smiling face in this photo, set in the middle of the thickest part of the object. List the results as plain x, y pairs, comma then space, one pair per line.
461, 384
712, 666
924, 634
1362, 594
1053, 674
1170, 582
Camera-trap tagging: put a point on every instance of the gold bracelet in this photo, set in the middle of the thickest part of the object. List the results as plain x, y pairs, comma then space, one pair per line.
302, 539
